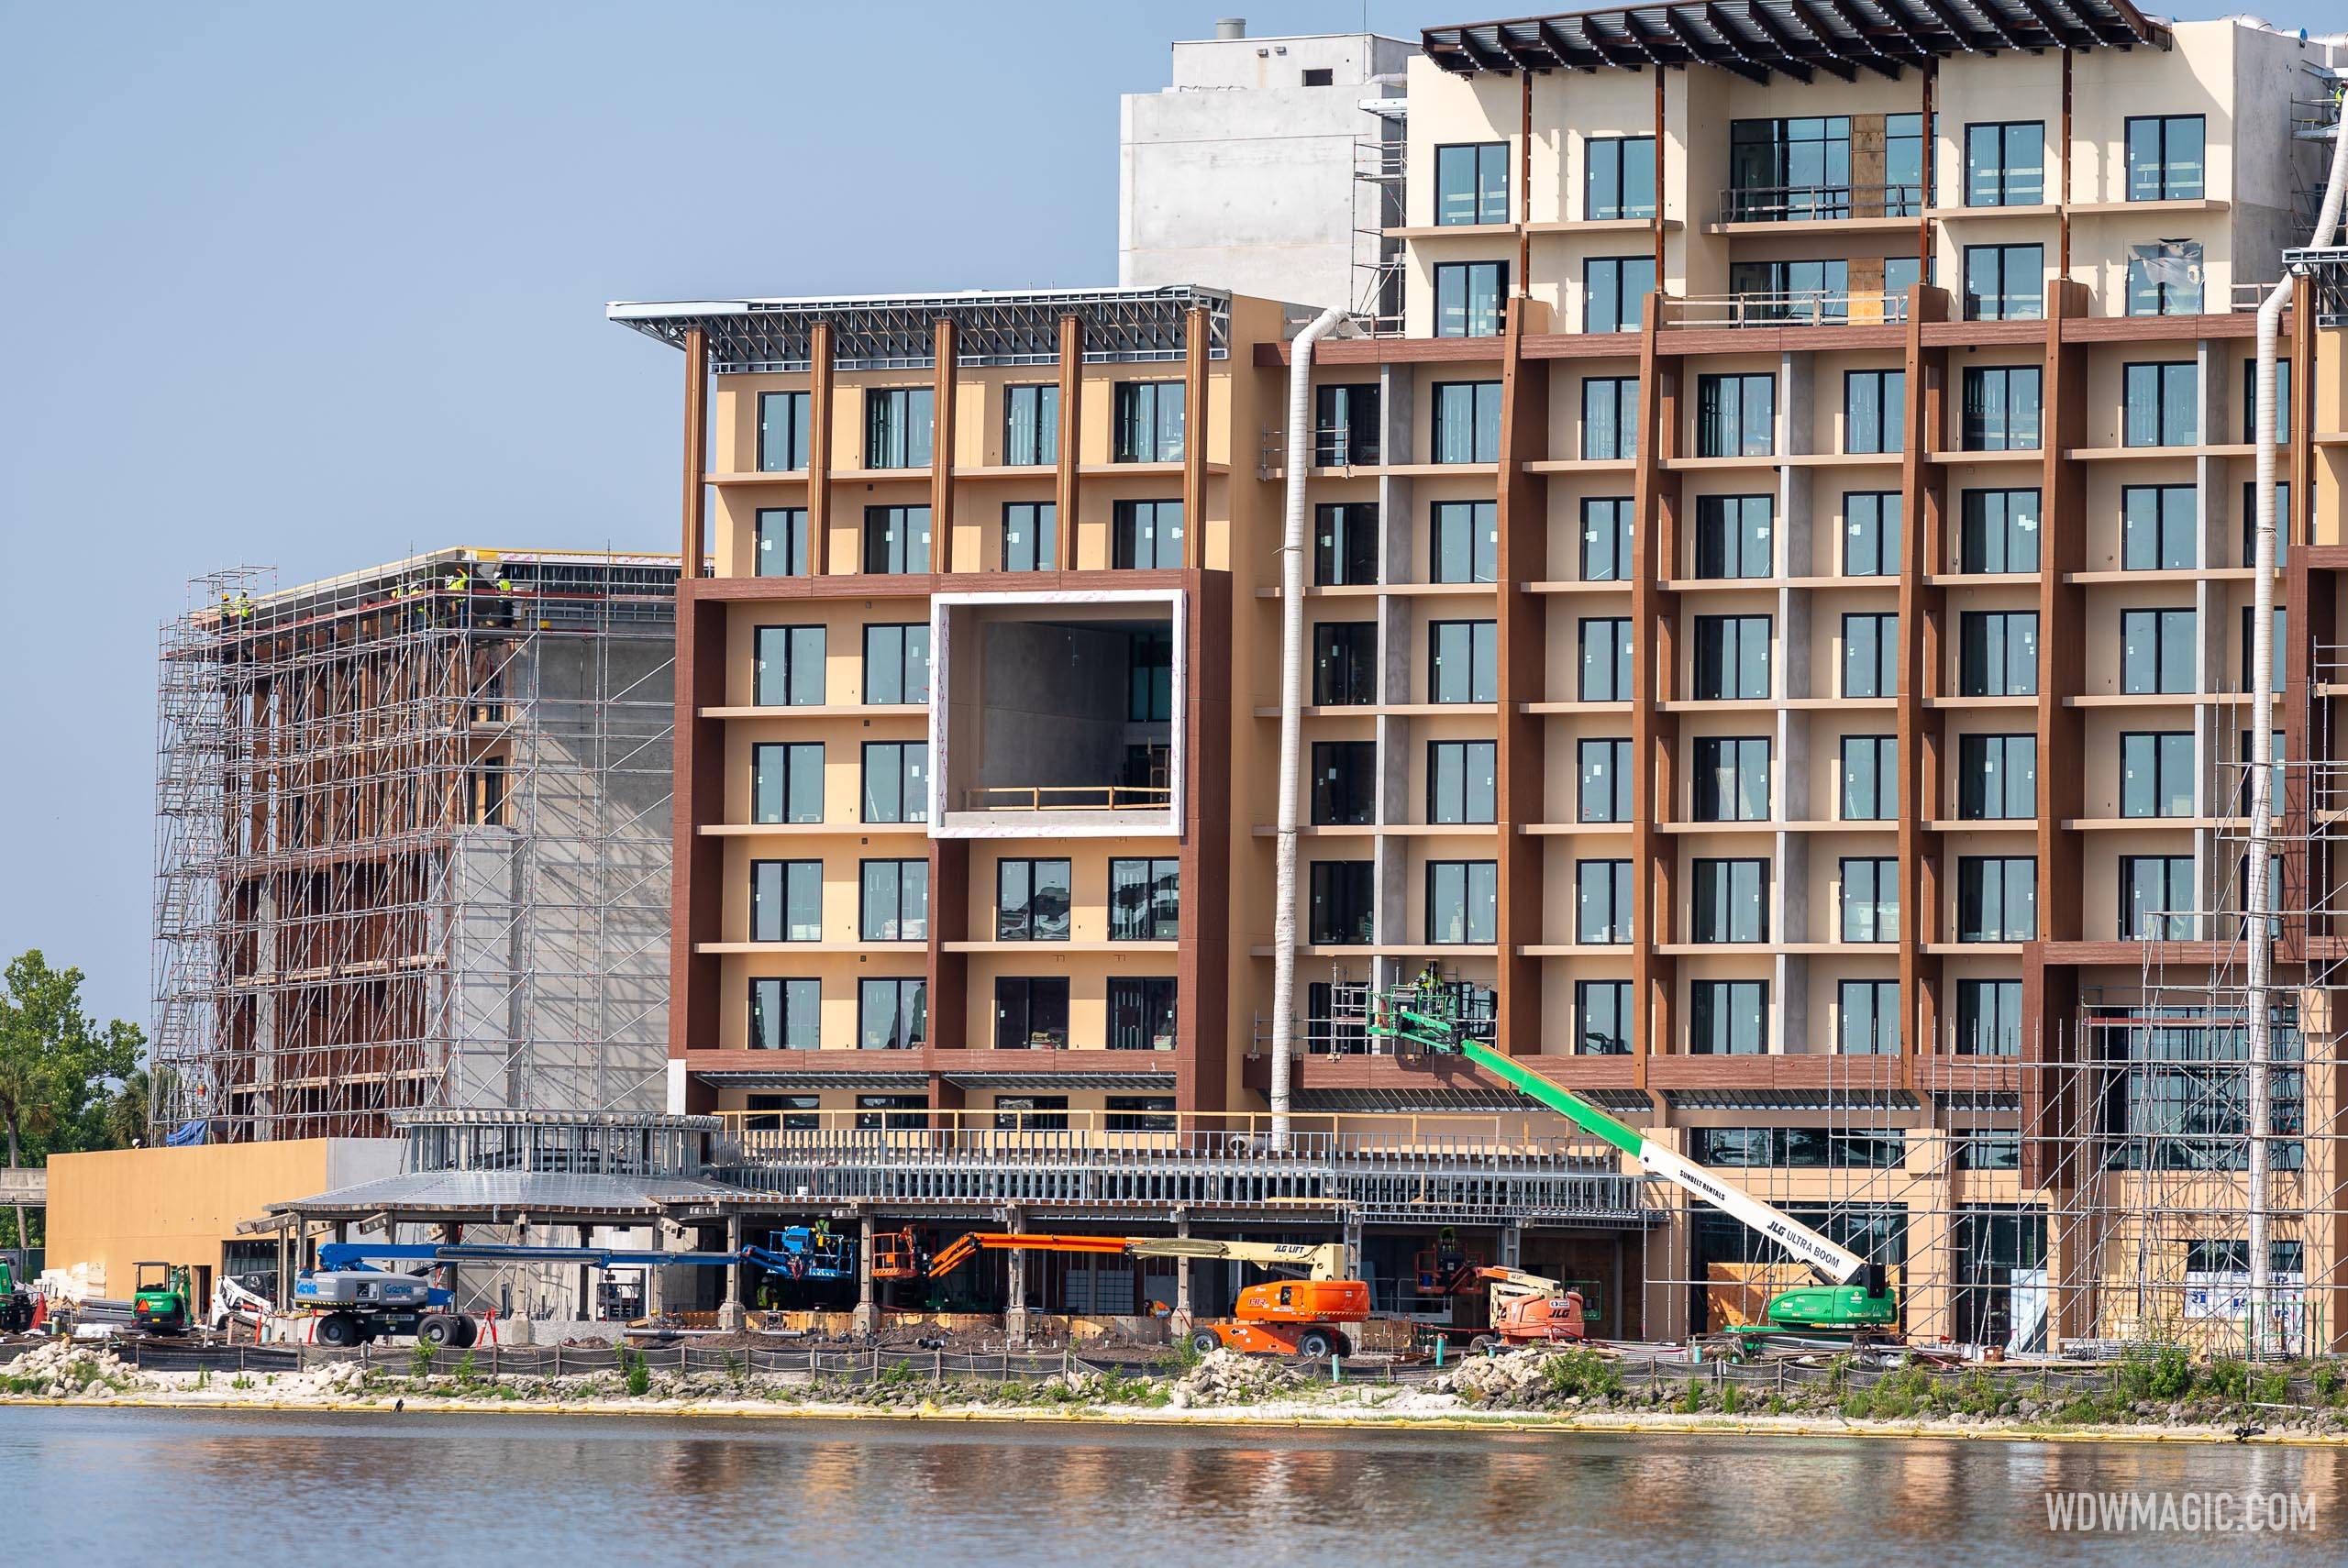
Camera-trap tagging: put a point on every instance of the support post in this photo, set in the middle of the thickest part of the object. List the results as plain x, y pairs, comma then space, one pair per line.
696, 496
867, 1315
1015, 1310
729, 1311
586, 1280
1183, 1320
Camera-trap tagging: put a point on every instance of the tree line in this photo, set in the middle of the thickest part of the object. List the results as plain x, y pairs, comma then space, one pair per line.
67, 1082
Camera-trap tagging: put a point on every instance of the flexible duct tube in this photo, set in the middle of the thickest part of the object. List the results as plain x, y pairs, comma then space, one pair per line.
1300, 463
2257, 897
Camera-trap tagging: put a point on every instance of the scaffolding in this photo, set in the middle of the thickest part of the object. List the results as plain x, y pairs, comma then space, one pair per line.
413, 843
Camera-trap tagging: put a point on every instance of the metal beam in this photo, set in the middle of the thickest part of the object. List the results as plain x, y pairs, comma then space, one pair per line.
1874, 58
1485, 59
1988, 9
2057, 28
1735, 41
1708, 54
1966, 39
1557, 44
1786, 45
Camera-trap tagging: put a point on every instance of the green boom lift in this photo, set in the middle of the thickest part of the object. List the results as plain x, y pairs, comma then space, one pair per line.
1851, 1298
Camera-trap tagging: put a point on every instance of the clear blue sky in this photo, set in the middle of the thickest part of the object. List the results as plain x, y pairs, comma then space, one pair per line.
316, 286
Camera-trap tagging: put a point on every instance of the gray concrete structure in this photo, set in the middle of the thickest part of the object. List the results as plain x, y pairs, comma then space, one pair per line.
1241, 173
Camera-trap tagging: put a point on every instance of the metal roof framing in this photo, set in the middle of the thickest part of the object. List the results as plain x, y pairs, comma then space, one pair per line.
895, 332
1755, 38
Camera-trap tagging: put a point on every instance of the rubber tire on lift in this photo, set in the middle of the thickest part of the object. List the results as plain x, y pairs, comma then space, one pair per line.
436, 1328
1205, 1340
1317, 1344
1484, 1344
341, 1330
467, 1331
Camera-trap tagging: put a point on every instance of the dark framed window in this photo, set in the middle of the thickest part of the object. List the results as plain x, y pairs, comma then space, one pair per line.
2157, 770
896, 782
1606, 659
1469, 298
1464, 662
1031, 1014
896, 538
1870, 654
2278, 653
1615, 291
897, 1112
896, 663
1731, 658
1875, 410
893, 902
1602, 902
1471, 184
2164, 277
1998, 652
1463, 901
1731, 779
1030, 1112
1811, 292
2250, 400
1606, 538
1464, 542
1610, 417
1989, 1018
1031, 535
1145, 899
1149, 677
1463, 781
1996, 897
893, 1015
1729, 901
1603, 1019
787, 781
1735, 535
1867, 1018
1871, 534
1345, 544
1140, 1113
1141, 1013
2241, 769
2157, 651
1870, 778
2167, 157
1466, 422
1032, 899
1344, 783
2250, 521
788, 667
1783, 170
2157, 897
784, 431
2005, 163
783, 542
2000, 408
1341, 900
1736, 416
785, 1014
1603, 792
1031, 424
1345, 429
1997, 777
2161, 403
2005, 282
1997, 531
1345, 663
2158, 525
1147, 421
1728, 1018
786, 901
1618, 178
1870, 899
1146, 536
897, 426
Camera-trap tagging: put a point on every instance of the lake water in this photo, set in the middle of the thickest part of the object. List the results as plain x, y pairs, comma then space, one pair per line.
109, 1487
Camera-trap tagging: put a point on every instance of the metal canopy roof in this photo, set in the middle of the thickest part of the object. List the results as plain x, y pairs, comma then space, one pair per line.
897, 332
507, 1192
1791, 37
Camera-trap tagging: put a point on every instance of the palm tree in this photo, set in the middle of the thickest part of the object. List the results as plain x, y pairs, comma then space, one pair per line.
129, 1109
27, 1110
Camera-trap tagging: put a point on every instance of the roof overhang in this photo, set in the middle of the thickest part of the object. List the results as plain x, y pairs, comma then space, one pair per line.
898, 332
1759, 39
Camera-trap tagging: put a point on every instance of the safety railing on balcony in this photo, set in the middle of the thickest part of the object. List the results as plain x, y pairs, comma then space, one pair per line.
1808, 307
1807, 203
1067, 798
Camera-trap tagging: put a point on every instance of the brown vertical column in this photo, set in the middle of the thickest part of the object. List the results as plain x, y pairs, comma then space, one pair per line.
1931, 73
2062, 620
1654, 732
1196, 332
1071, 438
1522, 518
2062, 201
821, 402
2309, 614
949, 921
696, 893
1662, 184
1923, 666
941, 454
1202, 955
1525, 180
696, 498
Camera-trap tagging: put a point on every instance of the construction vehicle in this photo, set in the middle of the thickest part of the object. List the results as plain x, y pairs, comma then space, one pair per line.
163, 1303
1529, 1309
1852, 1299
234, 1301
16, 1301
1305, 1315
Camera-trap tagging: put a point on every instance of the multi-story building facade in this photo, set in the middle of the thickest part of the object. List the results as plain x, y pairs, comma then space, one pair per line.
1777, 617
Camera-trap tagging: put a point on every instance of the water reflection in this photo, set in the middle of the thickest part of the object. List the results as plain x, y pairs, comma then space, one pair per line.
112, 1485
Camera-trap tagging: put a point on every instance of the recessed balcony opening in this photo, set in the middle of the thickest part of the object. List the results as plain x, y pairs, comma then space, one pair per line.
1057, 714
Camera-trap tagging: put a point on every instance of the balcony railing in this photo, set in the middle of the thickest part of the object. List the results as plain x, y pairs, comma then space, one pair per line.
1808, 203
1067, 798
1806, 307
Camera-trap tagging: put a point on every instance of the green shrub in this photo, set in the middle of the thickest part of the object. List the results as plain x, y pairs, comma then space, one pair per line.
1728, 1399
640, 1375
2162, 1373
2270, 1385
419, 1361
1693, 1399
2229, 1378
2331, 1383
1581, 1373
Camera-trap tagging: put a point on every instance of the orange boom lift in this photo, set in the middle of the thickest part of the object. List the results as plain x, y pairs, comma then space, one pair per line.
1289, 1317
